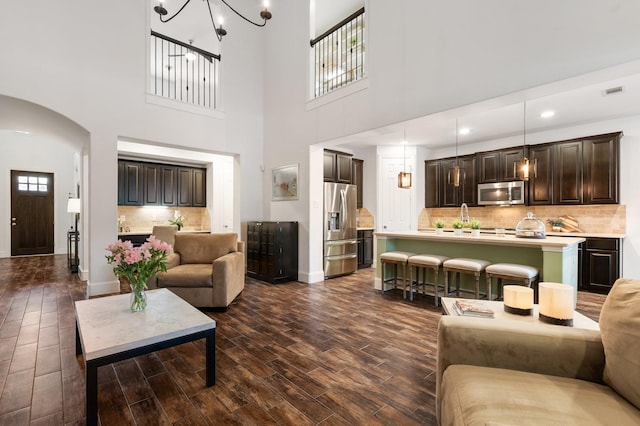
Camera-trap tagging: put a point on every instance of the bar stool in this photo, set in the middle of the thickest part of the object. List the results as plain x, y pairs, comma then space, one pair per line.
463, 265
395, 258
525, 274
422, 263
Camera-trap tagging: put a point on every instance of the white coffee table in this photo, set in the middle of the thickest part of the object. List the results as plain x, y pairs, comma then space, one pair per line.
107, 331
579, 320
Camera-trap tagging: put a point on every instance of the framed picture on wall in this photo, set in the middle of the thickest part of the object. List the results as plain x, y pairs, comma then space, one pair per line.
284, 183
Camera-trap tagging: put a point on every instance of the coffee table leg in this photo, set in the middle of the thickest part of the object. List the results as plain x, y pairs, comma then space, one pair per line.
92, 393
211, 357
78, 344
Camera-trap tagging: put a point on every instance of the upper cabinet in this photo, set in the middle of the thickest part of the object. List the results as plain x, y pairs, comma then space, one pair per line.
499, 166
153, 184
357, 168
601, 171
440, 190
337, 166
580, 171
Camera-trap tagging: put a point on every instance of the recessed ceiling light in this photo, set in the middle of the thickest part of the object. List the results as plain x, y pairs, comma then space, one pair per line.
548, 114
464, 131
24, 132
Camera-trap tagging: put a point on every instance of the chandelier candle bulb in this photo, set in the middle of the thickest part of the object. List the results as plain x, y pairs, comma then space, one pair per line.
518, 300
556, 303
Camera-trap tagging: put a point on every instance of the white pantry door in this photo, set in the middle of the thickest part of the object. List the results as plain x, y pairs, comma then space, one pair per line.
396, 202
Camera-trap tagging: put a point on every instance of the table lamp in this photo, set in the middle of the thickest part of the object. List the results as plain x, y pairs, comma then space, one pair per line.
556, 303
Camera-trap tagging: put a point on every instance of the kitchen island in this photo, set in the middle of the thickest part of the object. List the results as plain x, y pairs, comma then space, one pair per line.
555, 257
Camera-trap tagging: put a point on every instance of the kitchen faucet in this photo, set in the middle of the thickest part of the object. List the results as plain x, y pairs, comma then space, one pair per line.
464, 218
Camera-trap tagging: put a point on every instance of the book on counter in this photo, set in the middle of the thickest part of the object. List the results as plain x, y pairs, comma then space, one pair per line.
472, 309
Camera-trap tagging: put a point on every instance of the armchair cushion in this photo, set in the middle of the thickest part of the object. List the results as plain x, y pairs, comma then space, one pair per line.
620, 327
202, 248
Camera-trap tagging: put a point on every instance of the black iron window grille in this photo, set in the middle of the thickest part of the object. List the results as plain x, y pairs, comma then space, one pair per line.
339, 54
183, 72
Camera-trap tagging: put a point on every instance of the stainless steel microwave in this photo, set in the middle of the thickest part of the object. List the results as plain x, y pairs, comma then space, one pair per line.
501, 193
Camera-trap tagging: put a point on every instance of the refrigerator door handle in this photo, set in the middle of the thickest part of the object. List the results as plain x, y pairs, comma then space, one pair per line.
343, 209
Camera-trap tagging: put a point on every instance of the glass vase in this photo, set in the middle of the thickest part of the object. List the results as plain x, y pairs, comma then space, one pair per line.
138, 298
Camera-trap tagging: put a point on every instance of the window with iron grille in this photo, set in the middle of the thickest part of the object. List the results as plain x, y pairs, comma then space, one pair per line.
339, 54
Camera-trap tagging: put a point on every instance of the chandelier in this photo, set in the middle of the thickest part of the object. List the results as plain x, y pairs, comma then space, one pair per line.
218, 29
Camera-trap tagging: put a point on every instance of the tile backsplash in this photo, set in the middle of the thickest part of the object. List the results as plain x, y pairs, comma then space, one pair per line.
142, 219
606, 218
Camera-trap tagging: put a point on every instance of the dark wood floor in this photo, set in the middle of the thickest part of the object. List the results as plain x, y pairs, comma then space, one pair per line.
331, 353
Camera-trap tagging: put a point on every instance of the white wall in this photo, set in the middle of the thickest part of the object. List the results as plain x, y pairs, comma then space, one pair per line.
89, 64
38, 153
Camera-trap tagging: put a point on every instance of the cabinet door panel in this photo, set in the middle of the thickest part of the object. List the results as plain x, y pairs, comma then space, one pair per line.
448, 192
568, 173
489, 165
169, 189
602, 270
329, 166
152, 185
468, 190
358, 179
133, 184
199, 188
509, 160
185, 184
541, 181
343, 168
601, 172
432, 183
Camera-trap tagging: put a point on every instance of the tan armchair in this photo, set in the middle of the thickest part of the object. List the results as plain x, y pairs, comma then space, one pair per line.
206, 270
492, 372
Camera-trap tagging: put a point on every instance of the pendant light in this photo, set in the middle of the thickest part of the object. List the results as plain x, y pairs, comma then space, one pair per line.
524, 163
404, 178
456, 169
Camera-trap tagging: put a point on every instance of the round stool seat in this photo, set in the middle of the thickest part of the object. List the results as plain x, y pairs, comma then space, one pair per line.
512, 270
427, 259
466, 264
396, 256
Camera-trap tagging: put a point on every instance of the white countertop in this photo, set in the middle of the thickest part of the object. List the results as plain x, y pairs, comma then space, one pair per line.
550, 233
490, 239
182, 231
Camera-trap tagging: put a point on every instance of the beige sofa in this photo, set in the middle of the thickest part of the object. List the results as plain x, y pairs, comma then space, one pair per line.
492, 372
206, 270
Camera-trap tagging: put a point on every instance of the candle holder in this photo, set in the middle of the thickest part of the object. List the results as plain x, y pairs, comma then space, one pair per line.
518, 300
556, 304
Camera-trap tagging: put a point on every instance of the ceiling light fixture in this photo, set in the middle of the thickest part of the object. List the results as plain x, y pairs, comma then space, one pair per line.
404, 178
265, 14
464, 131
547, 114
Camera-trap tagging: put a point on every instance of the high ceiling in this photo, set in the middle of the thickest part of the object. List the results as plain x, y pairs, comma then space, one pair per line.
575, 101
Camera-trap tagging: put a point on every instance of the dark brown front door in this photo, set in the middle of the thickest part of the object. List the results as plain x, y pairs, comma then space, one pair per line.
31, 213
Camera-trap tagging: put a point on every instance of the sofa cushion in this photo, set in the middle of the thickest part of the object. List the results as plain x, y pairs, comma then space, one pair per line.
204, 248
473, 395
192, 275
620, 329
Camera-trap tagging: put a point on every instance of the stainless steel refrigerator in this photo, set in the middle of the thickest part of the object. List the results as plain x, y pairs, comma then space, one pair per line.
340, 230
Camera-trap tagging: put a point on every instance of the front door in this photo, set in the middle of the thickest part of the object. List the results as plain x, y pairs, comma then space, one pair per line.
32, 227
396, 202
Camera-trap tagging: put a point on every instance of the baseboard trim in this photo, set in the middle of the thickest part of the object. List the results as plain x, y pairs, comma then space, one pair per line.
312, 277
101, 288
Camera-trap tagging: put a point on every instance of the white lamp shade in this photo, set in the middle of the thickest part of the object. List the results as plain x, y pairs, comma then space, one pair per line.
73, 205
556, 303
518, 298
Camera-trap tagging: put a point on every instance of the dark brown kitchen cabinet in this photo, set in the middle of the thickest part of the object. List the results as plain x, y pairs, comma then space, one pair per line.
357, 168
154, 184
567, 173
185, 186
365, 248
199, 197
541, 178
337, 166
432, 183
499, 166
600, 264
466, 192
272, 251
601, 171
131, 185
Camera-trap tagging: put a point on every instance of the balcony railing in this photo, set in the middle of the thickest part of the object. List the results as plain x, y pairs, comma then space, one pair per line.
183, 72
339, 54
